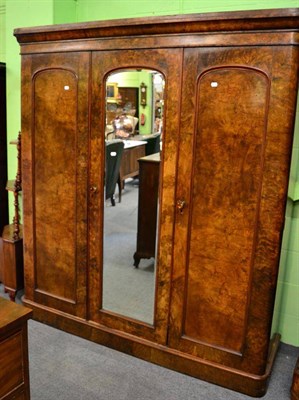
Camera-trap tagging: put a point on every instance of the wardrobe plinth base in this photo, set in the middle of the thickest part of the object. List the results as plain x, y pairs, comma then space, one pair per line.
240, 381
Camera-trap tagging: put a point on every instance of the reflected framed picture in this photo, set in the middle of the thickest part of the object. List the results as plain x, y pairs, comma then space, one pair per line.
111, 92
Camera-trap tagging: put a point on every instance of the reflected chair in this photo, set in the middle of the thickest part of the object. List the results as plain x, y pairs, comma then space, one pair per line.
152, 144
114, 152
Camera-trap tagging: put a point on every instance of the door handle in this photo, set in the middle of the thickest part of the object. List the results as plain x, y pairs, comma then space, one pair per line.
180, 205
93, 189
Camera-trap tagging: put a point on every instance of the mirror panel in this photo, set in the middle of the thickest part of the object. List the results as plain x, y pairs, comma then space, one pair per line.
133, 140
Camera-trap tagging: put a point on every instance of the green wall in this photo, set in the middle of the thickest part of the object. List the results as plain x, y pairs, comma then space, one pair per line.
21, 13
2, 31
287, 311
65, 11
105, 9
286, 315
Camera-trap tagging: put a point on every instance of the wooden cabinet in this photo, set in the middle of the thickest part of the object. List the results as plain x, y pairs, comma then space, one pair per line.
147, 207
14, 371
295, 383
231, 82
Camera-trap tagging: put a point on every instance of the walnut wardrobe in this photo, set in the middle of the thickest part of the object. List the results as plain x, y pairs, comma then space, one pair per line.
231, 83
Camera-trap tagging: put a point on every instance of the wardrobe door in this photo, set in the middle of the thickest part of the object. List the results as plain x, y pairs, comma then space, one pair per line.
232, 179
103, 282
55, 151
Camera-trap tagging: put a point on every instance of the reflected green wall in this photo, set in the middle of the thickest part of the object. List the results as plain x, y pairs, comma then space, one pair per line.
21, 13
134, 79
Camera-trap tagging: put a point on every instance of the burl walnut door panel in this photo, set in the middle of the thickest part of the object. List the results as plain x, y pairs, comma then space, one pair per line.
58, 214
168, 62
227, 235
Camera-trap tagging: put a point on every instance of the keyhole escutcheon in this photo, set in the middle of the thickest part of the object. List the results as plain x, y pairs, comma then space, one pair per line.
180, 205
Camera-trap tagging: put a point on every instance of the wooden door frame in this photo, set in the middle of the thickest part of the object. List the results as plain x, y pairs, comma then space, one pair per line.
165, 61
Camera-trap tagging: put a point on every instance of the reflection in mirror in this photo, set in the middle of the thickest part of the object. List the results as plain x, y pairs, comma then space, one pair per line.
133, 138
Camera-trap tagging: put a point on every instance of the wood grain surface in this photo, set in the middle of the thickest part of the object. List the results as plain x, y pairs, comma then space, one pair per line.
230, 96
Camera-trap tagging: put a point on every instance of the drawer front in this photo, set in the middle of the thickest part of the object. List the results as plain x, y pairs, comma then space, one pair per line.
20, 396
17, 396
12, 367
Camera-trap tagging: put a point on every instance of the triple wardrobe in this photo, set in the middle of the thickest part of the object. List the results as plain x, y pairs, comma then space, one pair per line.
229, 83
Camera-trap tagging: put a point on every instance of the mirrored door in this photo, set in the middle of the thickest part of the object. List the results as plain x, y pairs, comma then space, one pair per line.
132, 164
131, 189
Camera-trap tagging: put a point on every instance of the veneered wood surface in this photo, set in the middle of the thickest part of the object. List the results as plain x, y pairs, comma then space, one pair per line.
208, 22
11, 371
55, 180
168, 62
59, 131
11, 315
227, 171
217, 373
14, 371
198, 39
264, 66
295, 383
229, 285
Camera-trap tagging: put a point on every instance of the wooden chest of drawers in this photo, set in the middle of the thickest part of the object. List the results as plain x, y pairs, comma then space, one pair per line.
149, 167
14, 371
295, 384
